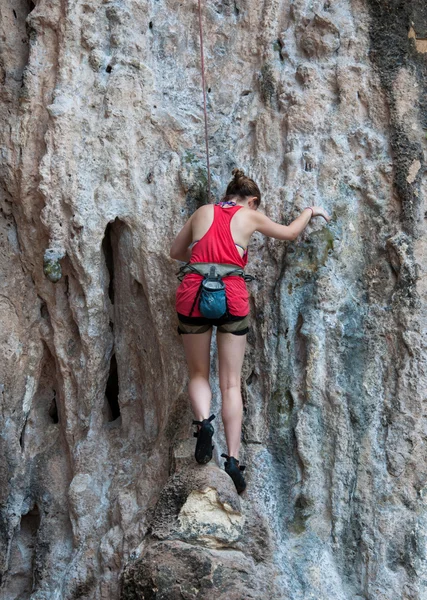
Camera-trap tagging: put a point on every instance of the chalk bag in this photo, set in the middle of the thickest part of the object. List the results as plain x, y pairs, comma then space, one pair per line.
213, 301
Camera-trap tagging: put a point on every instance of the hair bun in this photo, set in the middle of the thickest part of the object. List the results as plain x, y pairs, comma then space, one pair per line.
238, 173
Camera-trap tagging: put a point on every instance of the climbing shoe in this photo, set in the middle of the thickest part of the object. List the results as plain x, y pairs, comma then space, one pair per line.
204, 445
235, 471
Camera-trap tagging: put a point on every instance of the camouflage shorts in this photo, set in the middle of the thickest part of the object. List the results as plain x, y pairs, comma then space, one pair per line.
227, 324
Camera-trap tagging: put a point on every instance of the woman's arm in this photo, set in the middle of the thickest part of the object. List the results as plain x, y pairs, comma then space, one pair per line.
180, 247
288, 232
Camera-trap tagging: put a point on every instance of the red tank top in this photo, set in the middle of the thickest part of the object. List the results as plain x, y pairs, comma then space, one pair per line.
216, 246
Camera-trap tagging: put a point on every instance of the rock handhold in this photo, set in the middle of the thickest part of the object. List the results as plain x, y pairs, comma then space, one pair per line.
321, 38
174, 570
193, 177
401, 257
199, 504
51, 265
197, 544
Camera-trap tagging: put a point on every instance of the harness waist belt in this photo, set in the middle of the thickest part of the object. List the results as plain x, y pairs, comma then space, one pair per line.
223, 270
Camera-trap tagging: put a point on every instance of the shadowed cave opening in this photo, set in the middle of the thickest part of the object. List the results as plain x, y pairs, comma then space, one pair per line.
27, 7
21, 437
53, 409
23, 31
20, 578
107, 248
113, 246
45, 407
112, 391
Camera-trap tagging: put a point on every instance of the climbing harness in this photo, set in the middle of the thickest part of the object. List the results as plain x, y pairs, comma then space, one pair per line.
202, 60
211, 293
222, 269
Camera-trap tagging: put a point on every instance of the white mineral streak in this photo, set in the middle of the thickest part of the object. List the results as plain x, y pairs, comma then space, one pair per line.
102, 161
29, 392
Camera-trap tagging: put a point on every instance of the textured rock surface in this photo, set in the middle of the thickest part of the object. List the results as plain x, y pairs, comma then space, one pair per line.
202, 541
102, 162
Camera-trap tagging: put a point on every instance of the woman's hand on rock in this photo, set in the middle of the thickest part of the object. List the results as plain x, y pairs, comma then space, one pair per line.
318, 211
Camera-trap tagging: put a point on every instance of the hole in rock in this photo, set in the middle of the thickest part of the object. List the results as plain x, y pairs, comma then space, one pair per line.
109, 68
53, 410
14, 14
107, 247
301, 347
112, 391
209, 90
290, 400
44, 310
250, 379
22, 436
302, 502
279, 46
150, 24
20, 576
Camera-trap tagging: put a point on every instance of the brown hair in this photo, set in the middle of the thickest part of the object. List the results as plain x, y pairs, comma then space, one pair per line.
242, 186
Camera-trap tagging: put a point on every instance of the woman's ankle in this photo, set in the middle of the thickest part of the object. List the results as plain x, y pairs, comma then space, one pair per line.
234, 454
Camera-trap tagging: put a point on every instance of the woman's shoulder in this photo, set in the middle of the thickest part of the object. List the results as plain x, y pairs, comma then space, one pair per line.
206, 208
203, 211
247, 214
202, 214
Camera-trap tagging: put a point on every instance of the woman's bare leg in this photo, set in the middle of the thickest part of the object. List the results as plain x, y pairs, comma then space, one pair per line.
231, 350
197, 352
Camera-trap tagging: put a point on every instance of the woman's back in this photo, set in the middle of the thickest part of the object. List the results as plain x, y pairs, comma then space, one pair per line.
232, 223
215, 245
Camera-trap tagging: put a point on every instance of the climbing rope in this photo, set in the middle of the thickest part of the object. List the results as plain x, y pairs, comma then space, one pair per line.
202, 60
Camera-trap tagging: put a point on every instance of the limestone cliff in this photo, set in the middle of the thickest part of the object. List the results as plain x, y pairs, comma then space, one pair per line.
102, 161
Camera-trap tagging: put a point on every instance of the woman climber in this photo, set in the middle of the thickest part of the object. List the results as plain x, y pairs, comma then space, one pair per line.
213, 243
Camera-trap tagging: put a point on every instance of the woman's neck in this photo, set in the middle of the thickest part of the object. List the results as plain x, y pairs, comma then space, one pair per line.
237, 200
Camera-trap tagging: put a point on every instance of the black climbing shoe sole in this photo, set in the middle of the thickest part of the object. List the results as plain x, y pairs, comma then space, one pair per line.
204, 447
235, 471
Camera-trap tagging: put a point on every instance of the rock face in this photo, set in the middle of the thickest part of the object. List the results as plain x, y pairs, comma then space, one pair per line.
102, 162
202, 542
